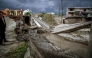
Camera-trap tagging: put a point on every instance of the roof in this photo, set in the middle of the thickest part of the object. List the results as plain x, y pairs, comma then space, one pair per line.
81, 7
1, 12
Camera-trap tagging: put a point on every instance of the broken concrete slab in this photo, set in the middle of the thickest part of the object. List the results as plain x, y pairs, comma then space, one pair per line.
42, 23
67, 28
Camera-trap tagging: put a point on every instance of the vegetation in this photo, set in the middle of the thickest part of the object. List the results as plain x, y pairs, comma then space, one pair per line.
42, 14
27, 14
49, 18
18, 53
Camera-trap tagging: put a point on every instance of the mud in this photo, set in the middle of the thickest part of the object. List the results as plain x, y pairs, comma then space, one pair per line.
75, 47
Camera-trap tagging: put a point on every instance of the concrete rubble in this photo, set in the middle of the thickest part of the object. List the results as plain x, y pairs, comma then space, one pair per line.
75, 38
47, 49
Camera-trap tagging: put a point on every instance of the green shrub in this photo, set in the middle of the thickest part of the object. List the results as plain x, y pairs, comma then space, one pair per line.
27, 14
48, 18
18, 53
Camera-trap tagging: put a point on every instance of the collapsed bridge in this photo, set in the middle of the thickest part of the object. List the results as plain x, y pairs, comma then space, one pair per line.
38, 45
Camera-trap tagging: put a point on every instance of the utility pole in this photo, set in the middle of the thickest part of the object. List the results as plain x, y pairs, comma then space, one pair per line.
62, 11
59, 10
80, 3
62, 6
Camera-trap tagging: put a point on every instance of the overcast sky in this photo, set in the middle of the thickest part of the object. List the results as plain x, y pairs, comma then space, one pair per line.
43, 5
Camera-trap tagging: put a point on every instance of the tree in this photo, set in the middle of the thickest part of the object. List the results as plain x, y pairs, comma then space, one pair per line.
27, 14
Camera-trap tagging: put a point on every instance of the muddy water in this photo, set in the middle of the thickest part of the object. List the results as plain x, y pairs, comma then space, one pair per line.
78, 48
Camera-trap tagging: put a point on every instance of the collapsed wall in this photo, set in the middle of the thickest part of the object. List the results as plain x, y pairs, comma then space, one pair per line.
73, 20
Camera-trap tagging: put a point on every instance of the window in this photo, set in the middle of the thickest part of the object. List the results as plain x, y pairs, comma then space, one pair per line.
71, 9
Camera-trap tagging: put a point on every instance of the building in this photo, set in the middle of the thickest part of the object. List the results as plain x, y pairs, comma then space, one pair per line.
5, 11
78, 14
9, 12
78, 11
16, 12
